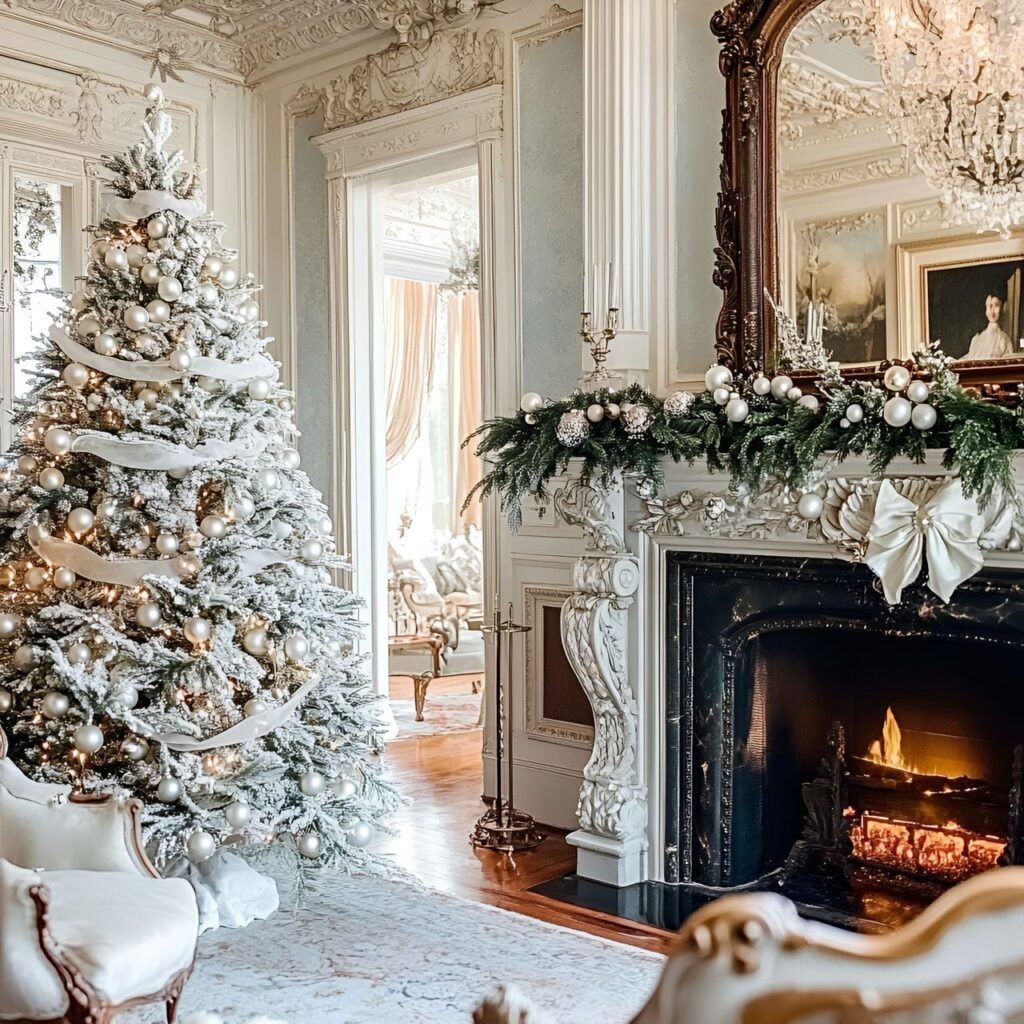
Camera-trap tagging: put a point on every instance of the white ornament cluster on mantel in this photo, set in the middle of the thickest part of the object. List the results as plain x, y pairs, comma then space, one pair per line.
893, 525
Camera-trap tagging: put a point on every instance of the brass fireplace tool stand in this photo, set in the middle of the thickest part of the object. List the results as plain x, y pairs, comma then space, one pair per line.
502, 828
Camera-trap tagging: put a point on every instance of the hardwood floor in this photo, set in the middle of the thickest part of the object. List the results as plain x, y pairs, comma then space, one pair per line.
441, 776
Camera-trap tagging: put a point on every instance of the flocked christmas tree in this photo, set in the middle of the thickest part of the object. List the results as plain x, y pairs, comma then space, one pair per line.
168, 627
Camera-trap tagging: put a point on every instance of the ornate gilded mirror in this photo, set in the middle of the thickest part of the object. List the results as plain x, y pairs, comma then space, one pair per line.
848, 200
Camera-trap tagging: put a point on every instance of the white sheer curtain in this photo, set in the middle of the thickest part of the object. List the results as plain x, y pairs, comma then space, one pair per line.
466, 407
410, 324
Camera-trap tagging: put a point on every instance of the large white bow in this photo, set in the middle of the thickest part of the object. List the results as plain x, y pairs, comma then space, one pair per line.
948, 528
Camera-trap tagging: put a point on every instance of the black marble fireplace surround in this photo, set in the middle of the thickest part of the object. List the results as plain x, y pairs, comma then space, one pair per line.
764, 654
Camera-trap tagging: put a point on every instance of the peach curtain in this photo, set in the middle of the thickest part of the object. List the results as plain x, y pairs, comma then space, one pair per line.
410, 321
466, 406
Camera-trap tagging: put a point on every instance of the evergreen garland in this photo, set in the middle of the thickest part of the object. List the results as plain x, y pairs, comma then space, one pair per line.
780, 439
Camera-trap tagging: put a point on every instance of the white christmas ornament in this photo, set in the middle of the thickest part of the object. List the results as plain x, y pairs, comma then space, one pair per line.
63, 578
88, 739
213, 527
36, 579
312, 784
718, 376
780, 386
168, 791
761, 385
255, 642
311, 551
105, 345
918, 391
296, 647
6, 701
180, 359
259, 389
531, 402
75, 375
721, 395
897, 412
290, 459
169, 289
9, 624
136, 318
24, 658
89, 325
148, 615
167, 543
809, 402
27, 465
55, 705
361, 834
855, 413
228, 277
116, 259
810, 505
200, 846
237, 813
150, 274
158, 310
924, 417
308, 845
254, 708
50, 479
595, 412
157, 227
136, 255
737, 410
126, 695
80, 520
896, 378
197, 629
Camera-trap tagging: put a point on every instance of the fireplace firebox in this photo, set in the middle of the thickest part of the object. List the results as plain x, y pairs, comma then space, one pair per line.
857, 756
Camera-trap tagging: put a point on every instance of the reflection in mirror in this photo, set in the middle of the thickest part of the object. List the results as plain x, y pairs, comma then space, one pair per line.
37, 277
861, 228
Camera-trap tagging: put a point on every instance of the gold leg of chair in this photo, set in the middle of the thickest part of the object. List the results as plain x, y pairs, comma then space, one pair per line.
420, 684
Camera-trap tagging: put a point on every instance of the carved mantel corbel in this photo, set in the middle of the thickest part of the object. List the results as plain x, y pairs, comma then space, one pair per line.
612, 807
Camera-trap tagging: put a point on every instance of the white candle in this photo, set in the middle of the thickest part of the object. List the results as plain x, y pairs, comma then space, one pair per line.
613, 293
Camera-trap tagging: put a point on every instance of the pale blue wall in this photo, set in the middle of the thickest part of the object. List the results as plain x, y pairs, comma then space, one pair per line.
700, 92
311, 302
551, 211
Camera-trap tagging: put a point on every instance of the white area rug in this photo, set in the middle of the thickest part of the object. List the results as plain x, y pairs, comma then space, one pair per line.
368, 950
444, 714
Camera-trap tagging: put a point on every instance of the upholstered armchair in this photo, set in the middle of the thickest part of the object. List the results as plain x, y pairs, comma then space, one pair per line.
87, 926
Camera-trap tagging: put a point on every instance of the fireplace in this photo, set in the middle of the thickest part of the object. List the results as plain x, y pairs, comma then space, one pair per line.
857, 756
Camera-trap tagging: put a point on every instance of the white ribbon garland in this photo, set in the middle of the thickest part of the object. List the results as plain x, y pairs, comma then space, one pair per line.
124, 572
160, 369
947, 529
242, 732
157, 455
152, 200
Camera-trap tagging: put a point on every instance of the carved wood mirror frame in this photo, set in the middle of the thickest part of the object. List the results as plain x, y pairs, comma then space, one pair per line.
753, 34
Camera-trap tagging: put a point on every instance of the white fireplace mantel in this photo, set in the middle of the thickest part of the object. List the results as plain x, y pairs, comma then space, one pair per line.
613, 623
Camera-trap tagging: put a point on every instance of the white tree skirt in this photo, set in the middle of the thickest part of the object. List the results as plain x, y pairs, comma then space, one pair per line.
368, 950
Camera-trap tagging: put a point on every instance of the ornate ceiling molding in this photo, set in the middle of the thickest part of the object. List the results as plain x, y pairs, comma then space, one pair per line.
237, 39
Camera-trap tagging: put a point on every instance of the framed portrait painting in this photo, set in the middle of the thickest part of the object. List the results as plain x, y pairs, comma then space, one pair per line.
965, 293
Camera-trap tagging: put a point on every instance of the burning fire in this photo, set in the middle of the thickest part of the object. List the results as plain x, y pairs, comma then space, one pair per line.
888, 750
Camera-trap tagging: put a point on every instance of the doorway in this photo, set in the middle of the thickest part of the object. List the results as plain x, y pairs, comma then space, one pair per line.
430, 292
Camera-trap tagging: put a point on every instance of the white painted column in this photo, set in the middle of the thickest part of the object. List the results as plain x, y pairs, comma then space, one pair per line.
629, 151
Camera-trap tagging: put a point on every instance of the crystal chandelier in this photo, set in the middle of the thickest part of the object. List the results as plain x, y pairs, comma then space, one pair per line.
954, 75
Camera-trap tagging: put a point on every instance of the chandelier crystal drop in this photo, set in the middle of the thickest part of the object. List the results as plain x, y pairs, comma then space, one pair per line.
954, 75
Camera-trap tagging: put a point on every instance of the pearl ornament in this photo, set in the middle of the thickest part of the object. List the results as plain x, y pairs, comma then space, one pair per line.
237, 813
136, 255
148, 615
809, 402
614, 410
157, 227
200, 846
259, 389
158, 310
213, 265
896, 378
9, 624
80, 654
897, 412
290, 459
140, 544
343, 789
27, 465
105, 345
88, 326
228, 277
213, 527
249, 311
149, 397
169, 289
794, 394
207, 293
718, 376
308, 845
268, 479
256, 643
64, 578
241, 508
88, 739
311, 551
844, 423
6, 701
197, 629
150, 275
36, 579
135, 748
75, 375
167, 544
761, 385
116, 259
254, 707
55, 704
855, 412
126, 695
80, 520
296, 647
168, 790
918, 391
361, 834
136, 318
721, 395
24, 658
780, 386
737, 410
595, 412
180, 359
531, 402
80, 298
924, 416
810, 506
312, 784
51, 478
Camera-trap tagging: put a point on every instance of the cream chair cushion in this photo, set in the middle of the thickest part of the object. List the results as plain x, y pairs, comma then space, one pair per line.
128, 935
